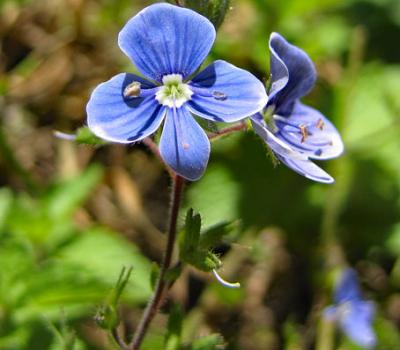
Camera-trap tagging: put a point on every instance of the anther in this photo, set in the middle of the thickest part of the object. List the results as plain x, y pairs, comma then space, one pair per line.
220, 96
304, 132
185, 146
133, 89
320, 124
225, 283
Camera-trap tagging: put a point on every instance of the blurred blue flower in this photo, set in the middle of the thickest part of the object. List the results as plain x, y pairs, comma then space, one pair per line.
167, 44
353, 314
295, 132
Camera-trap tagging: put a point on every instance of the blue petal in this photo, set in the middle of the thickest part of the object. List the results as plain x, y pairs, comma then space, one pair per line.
348, 288
331, 313
278, 146
322, 141
308, 169
184, 145
223, 92
356, 323
113, 117
165, 39
295, 160
293, 73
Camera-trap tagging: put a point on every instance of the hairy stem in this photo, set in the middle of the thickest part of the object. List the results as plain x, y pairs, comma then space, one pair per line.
152, 146
162, 285
226, 131
115, 336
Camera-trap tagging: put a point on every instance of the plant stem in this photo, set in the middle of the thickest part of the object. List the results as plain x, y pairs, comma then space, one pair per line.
226, 131
152, 146
118, 340
161, 285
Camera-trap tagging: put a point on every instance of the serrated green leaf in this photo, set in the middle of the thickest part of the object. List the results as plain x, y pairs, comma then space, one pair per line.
189, 245
190, 235
214, 234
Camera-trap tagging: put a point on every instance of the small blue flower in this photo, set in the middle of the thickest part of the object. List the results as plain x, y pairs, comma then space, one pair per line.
167, 44
353, 314
295, 132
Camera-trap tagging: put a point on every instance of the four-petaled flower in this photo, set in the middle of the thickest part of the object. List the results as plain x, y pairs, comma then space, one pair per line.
167, 44
295, 132
353, 314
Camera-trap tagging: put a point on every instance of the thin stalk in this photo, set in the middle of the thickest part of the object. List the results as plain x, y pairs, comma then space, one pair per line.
152, 146
115, 336
226, 131
162, 285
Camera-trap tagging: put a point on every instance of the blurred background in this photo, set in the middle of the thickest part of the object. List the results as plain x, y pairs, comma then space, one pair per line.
71, 216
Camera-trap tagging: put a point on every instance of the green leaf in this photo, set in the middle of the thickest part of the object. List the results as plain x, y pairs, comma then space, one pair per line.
174, 329
214, 234
189, 238
217, 196
189, 247
210, 342
214, 10
107, 316
64, 198
86, 137
64, 335
103, 253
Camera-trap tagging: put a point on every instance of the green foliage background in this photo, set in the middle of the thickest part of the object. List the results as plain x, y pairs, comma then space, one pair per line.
71, 216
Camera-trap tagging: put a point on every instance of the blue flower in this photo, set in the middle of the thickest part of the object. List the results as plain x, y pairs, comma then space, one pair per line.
168, 44
353, 314
295, 132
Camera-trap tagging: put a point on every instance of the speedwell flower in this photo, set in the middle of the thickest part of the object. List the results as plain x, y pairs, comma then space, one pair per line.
167, 44
353, 314
295, 132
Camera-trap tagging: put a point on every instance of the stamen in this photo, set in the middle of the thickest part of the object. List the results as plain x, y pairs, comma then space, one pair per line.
223, 282
133, 89
220, 96
304, 132
320, 124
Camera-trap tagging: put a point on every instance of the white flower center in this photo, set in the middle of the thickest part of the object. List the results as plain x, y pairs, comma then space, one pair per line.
173, 93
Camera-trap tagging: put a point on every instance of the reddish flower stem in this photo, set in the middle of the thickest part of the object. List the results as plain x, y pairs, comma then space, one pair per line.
226, 131
154, 149
162, 285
